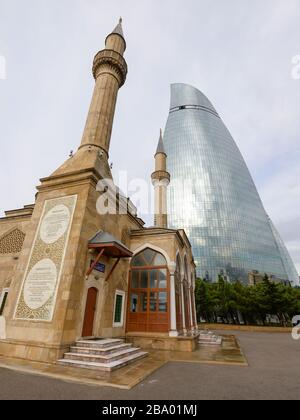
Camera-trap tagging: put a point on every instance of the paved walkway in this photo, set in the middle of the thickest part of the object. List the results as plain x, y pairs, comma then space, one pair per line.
273, 373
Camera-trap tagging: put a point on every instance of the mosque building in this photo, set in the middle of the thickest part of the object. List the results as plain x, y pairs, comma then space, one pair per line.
70, 274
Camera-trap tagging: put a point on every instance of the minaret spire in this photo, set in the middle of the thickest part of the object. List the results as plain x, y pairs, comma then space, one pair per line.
119, 29
160, 146
160, 181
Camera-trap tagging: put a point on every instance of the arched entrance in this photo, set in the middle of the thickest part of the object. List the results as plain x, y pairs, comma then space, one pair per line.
148, 303
89, 315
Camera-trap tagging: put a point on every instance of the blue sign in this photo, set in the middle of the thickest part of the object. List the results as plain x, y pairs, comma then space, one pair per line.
99, 267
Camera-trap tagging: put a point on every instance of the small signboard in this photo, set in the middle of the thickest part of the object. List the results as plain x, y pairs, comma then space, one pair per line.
99, 267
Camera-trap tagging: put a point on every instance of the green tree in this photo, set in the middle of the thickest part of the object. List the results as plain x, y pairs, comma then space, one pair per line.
253, 304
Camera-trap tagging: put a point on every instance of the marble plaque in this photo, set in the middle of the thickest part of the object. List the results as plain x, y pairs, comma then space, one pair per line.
40, 285
55, 224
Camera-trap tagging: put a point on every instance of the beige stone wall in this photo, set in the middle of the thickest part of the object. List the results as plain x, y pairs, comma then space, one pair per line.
119, 226
67, 322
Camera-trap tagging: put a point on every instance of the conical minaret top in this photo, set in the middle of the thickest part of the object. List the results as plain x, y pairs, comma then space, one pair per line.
112, 39
160, 146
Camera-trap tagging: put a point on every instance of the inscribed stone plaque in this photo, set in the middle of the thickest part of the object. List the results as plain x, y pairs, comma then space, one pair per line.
39, 289
55, 224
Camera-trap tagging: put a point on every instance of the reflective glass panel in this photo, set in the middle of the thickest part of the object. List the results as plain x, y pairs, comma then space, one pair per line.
153, 302
159, 260
135, 279
148, 256
143, 301
138, 261
163, 302
133, 302
144, 279
153, 279
162, 279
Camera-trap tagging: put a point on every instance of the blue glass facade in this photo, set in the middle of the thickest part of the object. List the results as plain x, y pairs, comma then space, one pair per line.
213, 197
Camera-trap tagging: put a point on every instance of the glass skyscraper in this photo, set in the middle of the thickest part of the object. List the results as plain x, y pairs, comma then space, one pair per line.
213, 197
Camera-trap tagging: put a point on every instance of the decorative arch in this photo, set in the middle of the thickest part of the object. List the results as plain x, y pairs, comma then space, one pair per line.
148, 258
155, 248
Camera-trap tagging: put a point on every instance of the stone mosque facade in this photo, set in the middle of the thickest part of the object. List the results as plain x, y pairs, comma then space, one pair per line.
68, 273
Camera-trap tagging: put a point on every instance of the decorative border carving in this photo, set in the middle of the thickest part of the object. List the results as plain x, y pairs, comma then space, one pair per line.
114, 61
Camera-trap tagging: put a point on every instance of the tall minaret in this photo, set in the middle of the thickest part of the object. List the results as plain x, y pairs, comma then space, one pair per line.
55, 256
110, 71
160, 181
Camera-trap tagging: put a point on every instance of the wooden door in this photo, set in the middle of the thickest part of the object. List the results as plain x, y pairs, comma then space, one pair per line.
90, 309
148, 303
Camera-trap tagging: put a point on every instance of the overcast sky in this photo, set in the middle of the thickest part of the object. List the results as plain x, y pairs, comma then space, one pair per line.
238, 52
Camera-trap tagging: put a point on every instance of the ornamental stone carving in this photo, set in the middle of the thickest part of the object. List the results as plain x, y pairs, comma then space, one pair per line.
110, 61
12, 242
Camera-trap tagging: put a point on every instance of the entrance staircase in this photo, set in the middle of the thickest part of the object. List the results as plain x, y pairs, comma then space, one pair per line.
105, 355
208, 338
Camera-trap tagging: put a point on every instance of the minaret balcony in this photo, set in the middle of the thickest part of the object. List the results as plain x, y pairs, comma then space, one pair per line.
112, 59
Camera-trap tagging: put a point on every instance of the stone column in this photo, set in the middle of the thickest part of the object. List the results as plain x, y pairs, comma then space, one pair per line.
173, 327
194, 308
183, 309
191, 308
160, 195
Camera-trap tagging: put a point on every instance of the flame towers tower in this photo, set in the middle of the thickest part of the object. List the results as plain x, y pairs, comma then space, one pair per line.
214, 198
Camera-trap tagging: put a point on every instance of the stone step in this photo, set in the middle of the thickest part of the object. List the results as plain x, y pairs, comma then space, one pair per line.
100, 351
217, 342
103, 358
105, 367
99, 343
212, 338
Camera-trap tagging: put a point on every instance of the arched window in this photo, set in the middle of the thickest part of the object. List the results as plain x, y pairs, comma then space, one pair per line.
148, 257
148, 293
